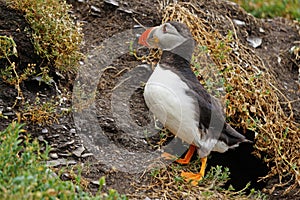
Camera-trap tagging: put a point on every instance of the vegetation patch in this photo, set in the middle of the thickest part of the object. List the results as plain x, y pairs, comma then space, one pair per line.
24, 174
167, 183
9, 73
41, 112
56, 36
272, 8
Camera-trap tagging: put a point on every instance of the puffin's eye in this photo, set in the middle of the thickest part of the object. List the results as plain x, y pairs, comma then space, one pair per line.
164, 28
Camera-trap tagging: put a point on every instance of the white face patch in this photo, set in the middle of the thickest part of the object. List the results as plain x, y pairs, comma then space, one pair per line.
165, 96
168, 37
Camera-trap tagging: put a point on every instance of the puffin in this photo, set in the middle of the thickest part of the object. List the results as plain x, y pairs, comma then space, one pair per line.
178, 100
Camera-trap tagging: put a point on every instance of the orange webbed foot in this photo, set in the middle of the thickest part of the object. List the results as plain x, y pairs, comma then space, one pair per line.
190, 176
182, 161
195, 178
188, 156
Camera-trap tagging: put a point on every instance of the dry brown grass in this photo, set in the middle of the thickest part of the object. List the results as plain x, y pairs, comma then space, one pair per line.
166, 183
251, 100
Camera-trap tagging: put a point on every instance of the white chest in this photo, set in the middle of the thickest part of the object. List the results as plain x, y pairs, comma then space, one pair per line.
166, 97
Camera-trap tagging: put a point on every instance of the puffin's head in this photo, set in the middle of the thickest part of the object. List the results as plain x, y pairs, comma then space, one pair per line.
166, 36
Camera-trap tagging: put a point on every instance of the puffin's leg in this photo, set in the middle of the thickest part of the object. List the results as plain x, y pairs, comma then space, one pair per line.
187, 158
189, 154
195, 177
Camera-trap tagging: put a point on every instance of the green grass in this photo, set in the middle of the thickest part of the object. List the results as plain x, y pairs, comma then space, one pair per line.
272, 8
24, 175
56, 36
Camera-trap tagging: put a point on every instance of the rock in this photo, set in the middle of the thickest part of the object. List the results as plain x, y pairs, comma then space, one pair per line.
64, 154
45, 130
53, 136
65, 176
40, 138
239, 22
67, 143
72, 130
53, 155
95, 183
78, 151
58, 162
86, 155
95, 9
112, 2
254, 41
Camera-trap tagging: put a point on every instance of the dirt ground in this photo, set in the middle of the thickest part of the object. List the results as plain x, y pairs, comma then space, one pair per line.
103, 19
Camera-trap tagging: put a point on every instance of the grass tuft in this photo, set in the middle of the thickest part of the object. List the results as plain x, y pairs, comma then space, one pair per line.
24, 175
167, 183
56, 36
272, 8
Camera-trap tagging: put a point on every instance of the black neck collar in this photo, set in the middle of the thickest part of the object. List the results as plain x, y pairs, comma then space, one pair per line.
180, 55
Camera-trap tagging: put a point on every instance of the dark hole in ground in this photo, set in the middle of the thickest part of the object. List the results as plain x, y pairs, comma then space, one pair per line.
244, 167
35, 86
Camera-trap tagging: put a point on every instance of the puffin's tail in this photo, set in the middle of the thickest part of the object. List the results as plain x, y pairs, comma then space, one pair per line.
231, 137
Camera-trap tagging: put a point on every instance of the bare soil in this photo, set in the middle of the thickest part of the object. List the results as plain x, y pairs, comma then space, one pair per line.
102, 20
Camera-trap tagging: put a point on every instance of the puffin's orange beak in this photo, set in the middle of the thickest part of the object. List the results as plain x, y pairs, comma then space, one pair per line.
143, 38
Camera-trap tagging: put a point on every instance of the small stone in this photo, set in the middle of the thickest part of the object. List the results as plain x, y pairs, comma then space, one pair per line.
70, 142
67, 143
95, 183
8, 113
239, 22
65, 154
95, 9
53, 155
65, 176
72, 130
59, 126
40, 138
58, 162
53, 136
261, 30
128, 11
86, 155
112, 2
254, 41
64, 109
77, 152
45, 130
